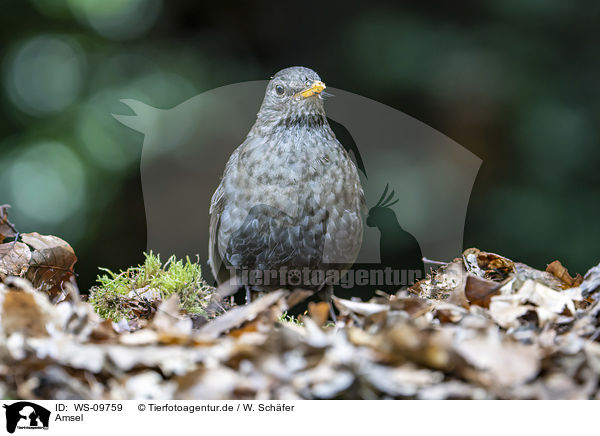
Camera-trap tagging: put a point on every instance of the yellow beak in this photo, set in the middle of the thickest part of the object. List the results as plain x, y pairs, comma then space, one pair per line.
315, 88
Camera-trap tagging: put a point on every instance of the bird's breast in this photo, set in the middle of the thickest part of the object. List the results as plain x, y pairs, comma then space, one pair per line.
300, 188
285, 171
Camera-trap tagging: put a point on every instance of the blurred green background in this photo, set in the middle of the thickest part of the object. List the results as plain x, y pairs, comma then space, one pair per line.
515, 82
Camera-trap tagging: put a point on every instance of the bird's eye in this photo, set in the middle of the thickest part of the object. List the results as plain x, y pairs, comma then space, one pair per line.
308, 83
279, 90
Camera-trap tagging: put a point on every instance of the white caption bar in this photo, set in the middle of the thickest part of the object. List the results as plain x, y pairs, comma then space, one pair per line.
317, 418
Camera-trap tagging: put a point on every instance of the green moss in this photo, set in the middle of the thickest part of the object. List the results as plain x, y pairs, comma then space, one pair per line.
134, 293
285, 318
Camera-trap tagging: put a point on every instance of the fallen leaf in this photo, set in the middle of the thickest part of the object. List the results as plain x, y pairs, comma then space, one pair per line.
51, 262
14, 259
20, 313
505, 310
591, 281
103, 331
487, 265
446, 283
319, 312
7, 230
446, 316
506, 363
171, 326
359, 307
238, 315
560, 272
545, 297
533, 296
518, 338
414, 306
479, 291
525, 272
405, 380
249, 327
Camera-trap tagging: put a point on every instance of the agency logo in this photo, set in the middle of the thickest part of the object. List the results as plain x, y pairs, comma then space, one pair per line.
26, 415
416, 181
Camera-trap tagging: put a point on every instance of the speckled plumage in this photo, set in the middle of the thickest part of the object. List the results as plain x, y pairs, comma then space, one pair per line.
290, 195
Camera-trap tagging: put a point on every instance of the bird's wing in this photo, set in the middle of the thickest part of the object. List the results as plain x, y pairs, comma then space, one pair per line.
217, 204
363, 202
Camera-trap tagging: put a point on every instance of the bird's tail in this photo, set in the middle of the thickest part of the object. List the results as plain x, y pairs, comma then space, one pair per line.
144, 118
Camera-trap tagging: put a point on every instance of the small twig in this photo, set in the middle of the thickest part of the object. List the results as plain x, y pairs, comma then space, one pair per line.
436, 262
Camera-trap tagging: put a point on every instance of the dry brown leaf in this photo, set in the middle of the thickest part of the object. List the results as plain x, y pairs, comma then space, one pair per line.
249, 327
506, 310
507, 363
560, 272
405, 380
525, 272
51, 263
457, 295
240, 314
402, 342
479, 291
446, 283
171, 326
7, 230
527, 344
536, 297
487, 265
103, 332
14, 259
448, 316
547, 298
319, 312
20, 313
414, 306
359, 307
591, 281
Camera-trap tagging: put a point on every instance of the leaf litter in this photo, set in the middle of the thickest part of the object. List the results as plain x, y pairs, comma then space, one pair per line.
479, 327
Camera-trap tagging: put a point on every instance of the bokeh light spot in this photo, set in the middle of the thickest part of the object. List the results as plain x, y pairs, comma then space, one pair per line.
45, 75
117, 19
104, 139
47, 183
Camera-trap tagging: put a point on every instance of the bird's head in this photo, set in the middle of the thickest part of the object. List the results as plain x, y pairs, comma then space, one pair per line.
292, 94
381, 213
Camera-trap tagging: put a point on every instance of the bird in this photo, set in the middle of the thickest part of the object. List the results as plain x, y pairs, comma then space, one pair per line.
290, 200
398, 249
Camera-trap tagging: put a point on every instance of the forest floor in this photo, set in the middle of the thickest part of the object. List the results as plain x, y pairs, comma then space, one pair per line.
480, 327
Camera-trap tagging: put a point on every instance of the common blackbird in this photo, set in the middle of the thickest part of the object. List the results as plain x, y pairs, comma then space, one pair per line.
288, 210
